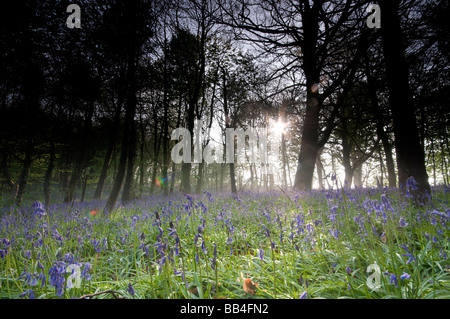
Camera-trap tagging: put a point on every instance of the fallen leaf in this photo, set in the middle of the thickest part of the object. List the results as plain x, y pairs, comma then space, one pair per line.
250, 286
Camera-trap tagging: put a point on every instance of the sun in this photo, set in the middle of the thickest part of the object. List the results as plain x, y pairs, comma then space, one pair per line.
278, 127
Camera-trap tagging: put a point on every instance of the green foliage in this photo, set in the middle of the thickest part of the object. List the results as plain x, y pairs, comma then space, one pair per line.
165, 249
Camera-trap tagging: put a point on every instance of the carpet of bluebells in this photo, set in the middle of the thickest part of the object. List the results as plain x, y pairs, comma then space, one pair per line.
318, 244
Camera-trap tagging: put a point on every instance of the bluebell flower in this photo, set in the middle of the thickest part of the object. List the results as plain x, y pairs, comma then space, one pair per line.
28, 292
130, 289
386, 202
335, 233
5, 242
85, 271
394, 280
435, 212
27, 254
349, 270
38, 208
214, 259
196, 237
172, 232
412, 183
203, 247
57, 278
405, 276
403, 223
261, 254
272, 244
304, 295
410, 255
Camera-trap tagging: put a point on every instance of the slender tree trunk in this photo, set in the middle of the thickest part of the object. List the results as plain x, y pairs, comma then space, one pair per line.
381, 133
346, 158
141, 162
6, 175
109, 152
357, 177
24, 174
31, 99
127, 193
156, 149
81, 160
381, 171
309, 141
222, 170
284, 160
320, 169
410, 154
227, 125
49, 172
130, 111
84, 186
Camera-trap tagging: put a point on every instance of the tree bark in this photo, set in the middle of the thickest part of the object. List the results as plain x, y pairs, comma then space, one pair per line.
357, 176
109, 152
410, 154
31, 87
320, 169
127, 193
6, 175
49, 172
81, 159
130, 111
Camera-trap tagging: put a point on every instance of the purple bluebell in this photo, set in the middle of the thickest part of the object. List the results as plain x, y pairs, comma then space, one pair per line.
348, 270
56, 274
412, 184
410, 255
85, 271
130, 289
28, 292
403, 223
214, 259
38, 208
27, 254
203, 247
394, 280
405, 276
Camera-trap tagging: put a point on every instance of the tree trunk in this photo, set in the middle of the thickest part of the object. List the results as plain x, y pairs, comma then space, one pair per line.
357, 177
410, 154
130, 111
81, 159
127, 193
320, 169
6, 175
381, 133
109, 152
84, 186
346, 159
24, 174
49, 172
104, 172
31, 87
309, 141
